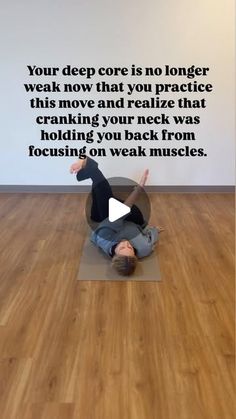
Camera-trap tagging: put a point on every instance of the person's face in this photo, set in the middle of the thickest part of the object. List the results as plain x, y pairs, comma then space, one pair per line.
124, 248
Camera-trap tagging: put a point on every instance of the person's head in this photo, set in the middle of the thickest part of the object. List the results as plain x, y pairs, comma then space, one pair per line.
124, 265
124, 261
124, 248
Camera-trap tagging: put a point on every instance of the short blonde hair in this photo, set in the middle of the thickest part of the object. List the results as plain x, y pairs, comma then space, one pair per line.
124, 265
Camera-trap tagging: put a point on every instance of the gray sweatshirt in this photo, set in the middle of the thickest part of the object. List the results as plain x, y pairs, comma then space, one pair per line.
107, 234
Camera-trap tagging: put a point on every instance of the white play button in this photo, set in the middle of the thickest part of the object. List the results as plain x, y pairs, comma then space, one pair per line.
117, 209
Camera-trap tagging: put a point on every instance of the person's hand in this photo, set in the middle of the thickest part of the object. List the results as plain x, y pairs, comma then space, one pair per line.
75, 167
159, 229
144, 178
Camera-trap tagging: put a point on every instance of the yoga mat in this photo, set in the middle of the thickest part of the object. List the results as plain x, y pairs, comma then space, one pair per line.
95, 265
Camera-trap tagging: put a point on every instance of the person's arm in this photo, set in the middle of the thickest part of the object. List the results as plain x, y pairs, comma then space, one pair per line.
151, 233
145, 242
137, 190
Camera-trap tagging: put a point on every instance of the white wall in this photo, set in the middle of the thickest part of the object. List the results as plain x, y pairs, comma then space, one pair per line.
118, 33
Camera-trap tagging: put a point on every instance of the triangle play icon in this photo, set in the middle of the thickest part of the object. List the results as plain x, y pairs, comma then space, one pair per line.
117, 209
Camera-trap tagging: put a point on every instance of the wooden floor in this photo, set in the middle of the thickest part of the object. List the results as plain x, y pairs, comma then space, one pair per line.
116, 350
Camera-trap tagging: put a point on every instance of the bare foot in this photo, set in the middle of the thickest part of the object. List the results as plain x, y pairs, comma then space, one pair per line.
78, 165
144, 178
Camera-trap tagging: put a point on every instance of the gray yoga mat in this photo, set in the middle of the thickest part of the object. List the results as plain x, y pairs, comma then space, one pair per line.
96, 266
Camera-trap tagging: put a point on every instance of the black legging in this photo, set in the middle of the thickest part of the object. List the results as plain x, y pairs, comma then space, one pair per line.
102, 192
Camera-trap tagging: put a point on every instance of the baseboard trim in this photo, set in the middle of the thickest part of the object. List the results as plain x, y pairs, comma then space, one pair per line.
86, 188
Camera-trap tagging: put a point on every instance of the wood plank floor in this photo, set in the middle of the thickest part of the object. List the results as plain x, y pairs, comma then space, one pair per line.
116, 350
